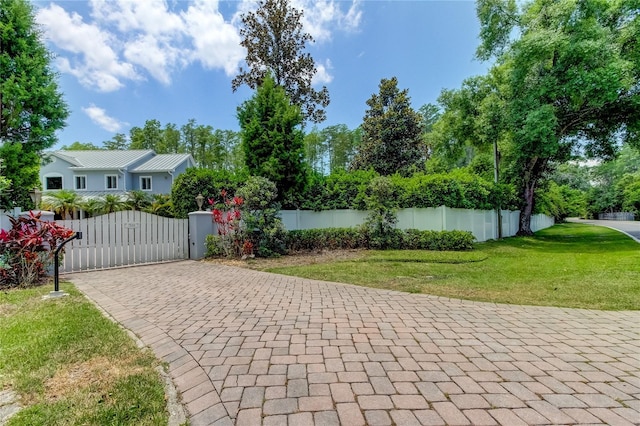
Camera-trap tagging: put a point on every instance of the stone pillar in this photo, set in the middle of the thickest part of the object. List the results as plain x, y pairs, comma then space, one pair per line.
201, 224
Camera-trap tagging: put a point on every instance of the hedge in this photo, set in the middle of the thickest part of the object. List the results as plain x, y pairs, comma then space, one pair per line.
457, 189
359, 238
207, 182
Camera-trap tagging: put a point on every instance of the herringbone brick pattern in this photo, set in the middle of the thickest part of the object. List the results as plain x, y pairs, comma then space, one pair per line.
251, 348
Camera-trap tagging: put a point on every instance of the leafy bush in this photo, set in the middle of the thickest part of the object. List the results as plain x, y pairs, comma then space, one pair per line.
160, 205
214, 246
260, 216
380, 223
339, 190
27, 249
360, 238
138, 200
325, 239
561, 202
248, 223
196, 181
630, 188
457, 189
437, 240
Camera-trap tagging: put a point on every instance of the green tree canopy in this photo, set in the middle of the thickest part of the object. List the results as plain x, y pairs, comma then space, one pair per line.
31, 105
275, 43
391, 133
80, 146
148, 137
332, 148
565, 82
272, 139
119, 141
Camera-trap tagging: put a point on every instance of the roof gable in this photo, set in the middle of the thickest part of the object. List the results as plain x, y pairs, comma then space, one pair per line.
163, 163
102, 159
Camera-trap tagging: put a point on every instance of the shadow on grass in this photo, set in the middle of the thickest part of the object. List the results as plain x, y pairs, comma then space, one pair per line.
572, 238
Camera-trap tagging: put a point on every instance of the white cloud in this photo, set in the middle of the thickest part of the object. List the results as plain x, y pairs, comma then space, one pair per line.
93, 61
154, 55
216, 42
151, 33
322, 75
99, 116
126, 40
322, 17
148, 16
351, 21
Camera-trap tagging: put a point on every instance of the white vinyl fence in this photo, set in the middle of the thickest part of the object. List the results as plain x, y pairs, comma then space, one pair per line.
482, 223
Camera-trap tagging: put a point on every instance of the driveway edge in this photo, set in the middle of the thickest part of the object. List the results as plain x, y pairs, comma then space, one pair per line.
188, 388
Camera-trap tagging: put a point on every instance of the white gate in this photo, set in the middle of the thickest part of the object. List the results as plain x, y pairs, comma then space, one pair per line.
125, 238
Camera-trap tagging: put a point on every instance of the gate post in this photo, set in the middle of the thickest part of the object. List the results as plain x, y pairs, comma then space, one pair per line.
201, 224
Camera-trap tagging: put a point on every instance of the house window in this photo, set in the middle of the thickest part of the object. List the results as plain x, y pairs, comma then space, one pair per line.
111, 181
53, 183
81, 182
145, 183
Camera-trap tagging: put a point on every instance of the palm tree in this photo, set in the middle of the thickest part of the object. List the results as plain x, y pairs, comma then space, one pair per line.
92, 207
161, 205
63, 202
112, 203
138, 200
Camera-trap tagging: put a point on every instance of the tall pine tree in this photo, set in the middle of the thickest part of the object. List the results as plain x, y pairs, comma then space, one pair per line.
273, 140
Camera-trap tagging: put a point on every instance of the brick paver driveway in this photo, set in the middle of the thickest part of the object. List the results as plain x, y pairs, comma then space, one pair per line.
247, 347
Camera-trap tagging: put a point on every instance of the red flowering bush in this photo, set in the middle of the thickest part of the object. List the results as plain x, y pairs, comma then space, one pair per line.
232, 240
27, 249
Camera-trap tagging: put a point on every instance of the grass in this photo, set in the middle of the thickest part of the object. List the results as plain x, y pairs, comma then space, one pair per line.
71, 365
567, 265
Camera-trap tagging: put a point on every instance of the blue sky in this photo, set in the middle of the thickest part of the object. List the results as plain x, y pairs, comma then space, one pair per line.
122, 62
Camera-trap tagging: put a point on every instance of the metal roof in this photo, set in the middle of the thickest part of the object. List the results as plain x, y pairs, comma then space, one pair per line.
63, 155
163, 163
103, 160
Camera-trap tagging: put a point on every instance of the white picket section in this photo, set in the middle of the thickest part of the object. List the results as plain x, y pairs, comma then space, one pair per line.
125, 238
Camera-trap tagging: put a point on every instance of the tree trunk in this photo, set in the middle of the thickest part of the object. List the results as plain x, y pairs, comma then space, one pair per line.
527, 210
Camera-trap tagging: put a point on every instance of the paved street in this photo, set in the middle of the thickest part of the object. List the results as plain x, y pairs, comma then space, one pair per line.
631, 228
250, 348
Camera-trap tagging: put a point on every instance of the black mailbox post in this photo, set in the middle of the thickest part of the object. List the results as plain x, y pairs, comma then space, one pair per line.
56, 278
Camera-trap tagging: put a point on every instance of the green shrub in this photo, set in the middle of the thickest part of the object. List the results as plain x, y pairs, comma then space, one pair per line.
361, 238
260, 216
340, 190
196, 181
457, 189
214, 246
381, 202
438, 240
325, 239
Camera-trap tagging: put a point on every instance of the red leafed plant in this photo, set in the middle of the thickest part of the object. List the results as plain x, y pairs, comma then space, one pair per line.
27, 249
228, 218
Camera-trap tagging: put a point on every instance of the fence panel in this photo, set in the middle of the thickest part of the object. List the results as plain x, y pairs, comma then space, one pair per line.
616, 216
481, 223
125, 238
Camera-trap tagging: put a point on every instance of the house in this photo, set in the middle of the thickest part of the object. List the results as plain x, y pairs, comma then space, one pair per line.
96, 173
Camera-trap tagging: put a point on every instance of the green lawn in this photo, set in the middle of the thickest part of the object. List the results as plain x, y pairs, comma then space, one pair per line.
72, 366
568, 265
